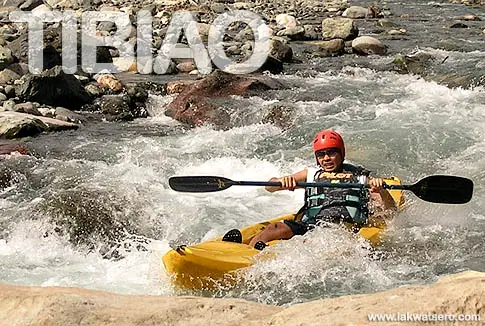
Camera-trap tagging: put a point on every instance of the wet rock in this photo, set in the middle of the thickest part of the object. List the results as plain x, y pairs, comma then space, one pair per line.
272, 65
469, 17
95, 90
175, 87
366, 45
89, 218
280, 115
281, 50
193, 106
418, 63
386, 23
459, 25
343, 28
116, 106
124, 107
53, 87
355, 12
10, 148
293, 33
18, 125
28, 107
64, 114
401, 31
330, 48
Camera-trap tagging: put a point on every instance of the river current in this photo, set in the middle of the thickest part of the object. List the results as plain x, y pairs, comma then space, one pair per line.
92, 208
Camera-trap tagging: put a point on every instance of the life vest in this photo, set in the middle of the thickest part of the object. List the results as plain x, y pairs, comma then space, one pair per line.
337, 204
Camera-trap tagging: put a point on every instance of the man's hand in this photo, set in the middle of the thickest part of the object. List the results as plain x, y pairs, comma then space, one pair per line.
288, 183
376, 185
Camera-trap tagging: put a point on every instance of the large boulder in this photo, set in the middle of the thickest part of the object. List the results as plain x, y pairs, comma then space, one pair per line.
17, 125
343, 28
193, 105
53, 87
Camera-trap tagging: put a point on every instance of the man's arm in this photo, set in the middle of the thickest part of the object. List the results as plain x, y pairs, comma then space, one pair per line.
288, 182
376, 185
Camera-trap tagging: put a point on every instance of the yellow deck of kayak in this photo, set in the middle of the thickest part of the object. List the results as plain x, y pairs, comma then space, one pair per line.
212, 263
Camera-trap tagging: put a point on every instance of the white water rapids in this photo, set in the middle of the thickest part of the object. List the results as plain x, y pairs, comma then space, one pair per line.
392, 124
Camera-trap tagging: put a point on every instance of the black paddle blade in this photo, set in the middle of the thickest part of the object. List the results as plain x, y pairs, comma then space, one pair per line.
444, 189
199, 183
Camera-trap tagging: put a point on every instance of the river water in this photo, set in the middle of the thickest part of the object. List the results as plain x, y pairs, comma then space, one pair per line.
92, 208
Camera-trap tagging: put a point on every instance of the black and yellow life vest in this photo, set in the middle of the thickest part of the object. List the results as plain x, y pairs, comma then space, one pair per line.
337, 204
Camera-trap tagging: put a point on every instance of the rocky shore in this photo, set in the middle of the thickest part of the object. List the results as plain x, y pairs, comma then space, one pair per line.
458, 295
300, 31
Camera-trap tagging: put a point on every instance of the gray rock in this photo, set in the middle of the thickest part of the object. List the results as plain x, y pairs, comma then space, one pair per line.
333, 47
386, 23
296, 33
9, 105
336, 5
280, 50
30, 5
10, 91
17, 125
6, 57
94, 90
218, 8
355, 12
310, 32
53, 87
366, 45
27, 107
343, 28
8, 76
186, 66
64, 114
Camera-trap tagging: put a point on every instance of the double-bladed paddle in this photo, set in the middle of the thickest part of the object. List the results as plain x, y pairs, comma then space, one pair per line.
444, 189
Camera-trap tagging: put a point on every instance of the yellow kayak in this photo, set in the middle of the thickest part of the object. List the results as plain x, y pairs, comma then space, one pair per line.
213, 263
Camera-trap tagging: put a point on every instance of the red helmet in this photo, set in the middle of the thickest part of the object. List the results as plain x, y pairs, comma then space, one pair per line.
329, 139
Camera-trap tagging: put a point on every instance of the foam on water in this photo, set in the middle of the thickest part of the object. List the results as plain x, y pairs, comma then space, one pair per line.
392, 124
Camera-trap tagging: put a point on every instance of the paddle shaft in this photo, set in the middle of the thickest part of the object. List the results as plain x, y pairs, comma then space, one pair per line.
317, 184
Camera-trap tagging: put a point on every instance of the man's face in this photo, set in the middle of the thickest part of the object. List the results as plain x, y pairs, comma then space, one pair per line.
329, 159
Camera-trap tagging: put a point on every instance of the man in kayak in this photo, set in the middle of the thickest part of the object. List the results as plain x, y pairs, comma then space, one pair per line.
326, 204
